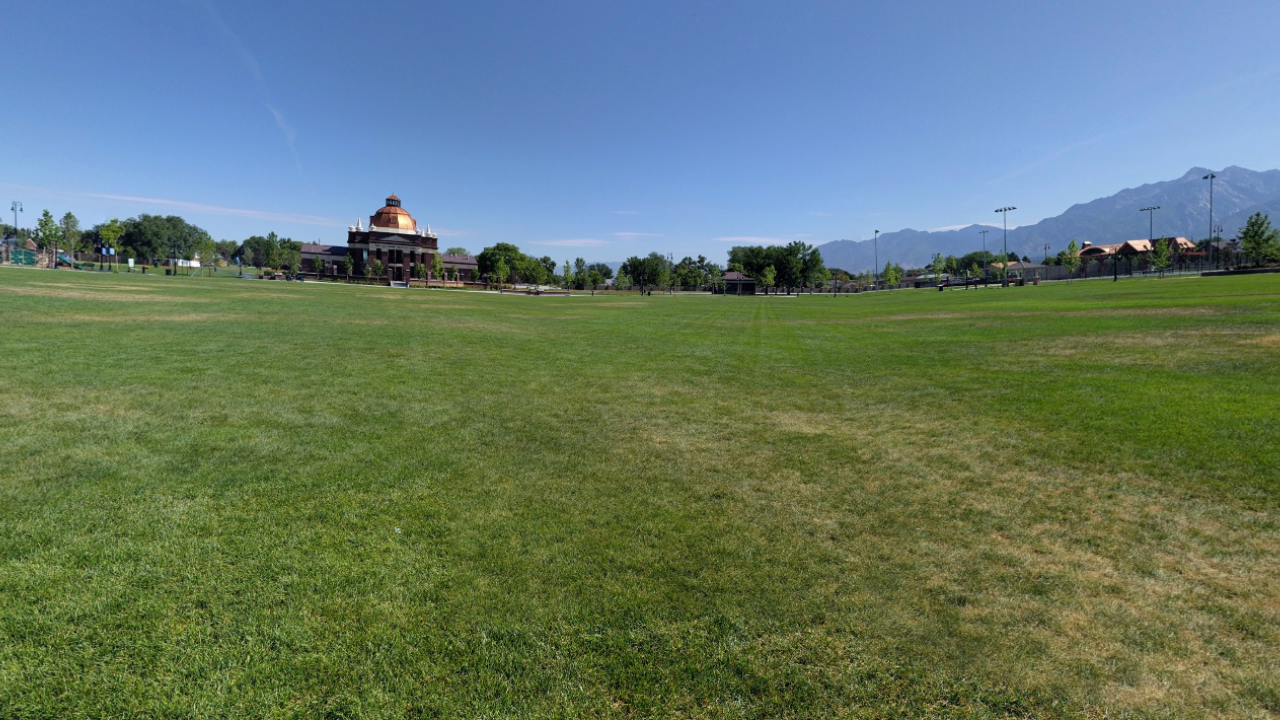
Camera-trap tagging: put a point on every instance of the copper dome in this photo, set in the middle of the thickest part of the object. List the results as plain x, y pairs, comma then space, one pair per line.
393, 216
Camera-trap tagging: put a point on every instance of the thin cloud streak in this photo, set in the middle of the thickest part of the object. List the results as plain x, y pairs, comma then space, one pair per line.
251, 63
575, 242
219, 210
634, 235
149, 202
754, 240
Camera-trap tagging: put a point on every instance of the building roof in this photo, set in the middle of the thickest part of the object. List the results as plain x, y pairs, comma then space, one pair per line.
458, 259
1094, 250
318, 249
735, 276
1133, 247
393, 216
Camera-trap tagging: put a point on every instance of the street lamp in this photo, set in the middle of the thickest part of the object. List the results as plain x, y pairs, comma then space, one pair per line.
1004, 262
1210, 178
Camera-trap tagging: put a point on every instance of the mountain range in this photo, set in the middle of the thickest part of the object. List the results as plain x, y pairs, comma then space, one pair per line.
1184, 211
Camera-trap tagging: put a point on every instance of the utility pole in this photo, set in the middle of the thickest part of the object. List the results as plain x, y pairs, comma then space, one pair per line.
1046, 253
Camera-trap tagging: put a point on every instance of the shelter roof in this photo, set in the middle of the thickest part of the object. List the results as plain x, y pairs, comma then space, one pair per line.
318, 249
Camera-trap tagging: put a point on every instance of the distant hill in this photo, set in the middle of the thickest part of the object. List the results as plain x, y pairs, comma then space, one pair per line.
1184, 202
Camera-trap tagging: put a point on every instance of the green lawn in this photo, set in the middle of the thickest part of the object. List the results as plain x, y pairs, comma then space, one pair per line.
259, 499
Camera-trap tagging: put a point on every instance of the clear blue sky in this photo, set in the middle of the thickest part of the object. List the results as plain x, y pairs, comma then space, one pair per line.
604, 129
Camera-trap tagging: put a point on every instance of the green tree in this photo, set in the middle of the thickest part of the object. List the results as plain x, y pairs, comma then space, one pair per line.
892, 274
457, 251
437, 266
1258, 240
1071, 258
500, 271
109, 233
487, 260
1161, 255
47, 231
622, 282
207, 249
530, 270
938, 266
69, 226
374, 268
664, 272
288, 254
226, 249
348, 265
768, 277
715, 277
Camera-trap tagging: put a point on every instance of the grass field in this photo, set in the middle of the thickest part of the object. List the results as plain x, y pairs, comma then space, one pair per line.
225, 498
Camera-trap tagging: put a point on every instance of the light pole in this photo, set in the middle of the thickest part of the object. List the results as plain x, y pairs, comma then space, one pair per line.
984, 255
1004, 262
876, 243
1046, 253
1151, 222
1210, 178
1151, 225
16, 207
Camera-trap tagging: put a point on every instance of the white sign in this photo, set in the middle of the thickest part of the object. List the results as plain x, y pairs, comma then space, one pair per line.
130, 262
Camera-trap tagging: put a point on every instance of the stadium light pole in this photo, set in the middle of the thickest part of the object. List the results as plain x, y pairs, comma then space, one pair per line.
1210, 178
1151, 222
984, 254
1004, 262
16, 207
876, 244
1150, 210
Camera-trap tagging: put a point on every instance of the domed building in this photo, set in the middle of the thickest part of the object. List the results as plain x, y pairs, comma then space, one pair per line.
394, 240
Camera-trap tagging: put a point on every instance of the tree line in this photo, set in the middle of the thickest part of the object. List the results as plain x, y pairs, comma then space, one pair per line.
154, 238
